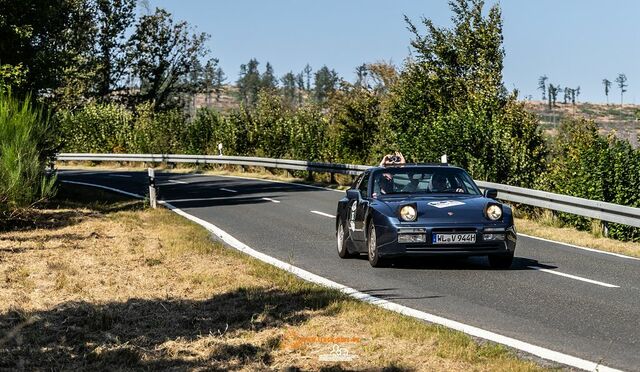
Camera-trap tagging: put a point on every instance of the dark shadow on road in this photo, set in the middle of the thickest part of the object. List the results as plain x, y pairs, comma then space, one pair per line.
391, 294
459, 263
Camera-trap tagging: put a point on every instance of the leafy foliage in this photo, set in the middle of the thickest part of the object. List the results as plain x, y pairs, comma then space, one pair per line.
160, 53
586, 165
452, 99
27, 143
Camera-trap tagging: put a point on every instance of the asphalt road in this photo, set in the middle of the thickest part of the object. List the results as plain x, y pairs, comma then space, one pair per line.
585, 304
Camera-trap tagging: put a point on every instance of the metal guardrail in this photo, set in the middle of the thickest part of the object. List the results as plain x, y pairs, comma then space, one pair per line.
562, 203
220, 159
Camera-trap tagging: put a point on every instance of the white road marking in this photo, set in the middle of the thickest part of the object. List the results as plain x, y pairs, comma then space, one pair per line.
580, 247
194, 199
121, 175
431, 318
227, 190
324, 214
104, 188
574, 277
176, 181
271, 200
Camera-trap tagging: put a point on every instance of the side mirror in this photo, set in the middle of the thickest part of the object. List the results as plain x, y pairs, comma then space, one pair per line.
491, 193
353, 194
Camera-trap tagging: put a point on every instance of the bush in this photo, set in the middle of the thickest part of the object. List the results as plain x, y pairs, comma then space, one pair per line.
98, 128
27, 144
587, 165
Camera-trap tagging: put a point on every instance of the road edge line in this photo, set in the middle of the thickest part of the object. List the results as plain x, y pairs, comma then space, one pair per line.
539, 351
619, 255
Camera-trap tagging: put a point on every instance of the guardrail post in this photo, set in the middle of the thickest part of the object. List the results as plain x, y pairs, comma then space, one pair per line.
152, 188
605, 229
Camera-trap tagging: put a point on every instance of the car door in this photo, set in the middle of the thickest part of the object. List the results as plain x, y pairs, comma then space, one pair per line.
359, 209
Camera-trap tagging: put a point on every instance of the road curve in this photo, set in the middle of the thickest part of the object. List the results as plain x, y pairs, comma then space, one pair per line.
582, 303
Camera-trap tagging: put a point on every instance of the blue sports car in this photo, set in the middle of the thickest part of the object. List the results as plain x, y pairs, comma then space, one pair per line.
423, 210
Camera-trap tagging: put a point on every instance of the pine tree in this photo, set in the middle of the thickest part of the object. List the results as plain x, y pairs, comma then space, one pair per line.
607, 88
307, 74
268, 78
325, 83
249, 82
542, 85
300, 82
289, 88
622, 84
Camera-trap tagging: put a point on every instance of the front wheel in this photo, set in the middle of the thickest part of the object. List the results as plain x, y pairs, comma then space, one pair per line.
372, 248
502, 261
341, 242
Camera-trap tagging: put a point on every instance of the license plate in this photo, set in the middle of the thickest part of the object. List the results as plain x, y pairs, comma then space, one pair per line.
454, 238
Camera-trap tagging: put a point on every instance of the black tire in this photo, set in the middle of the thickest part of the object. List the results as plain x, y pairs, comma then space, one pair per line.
342, 241
502, 261
372, 248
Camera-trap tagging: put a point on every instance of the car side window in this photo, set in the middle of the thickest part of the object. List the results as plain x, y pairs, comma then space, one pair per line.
364, 186
356, 182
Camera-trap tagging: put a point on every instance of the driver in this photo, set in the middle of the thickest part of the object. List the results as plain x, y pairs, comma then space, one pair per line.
438, 183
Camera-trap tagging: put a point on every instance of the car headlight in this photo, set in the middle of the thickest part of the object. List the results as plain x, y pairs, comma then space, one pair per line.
408, 213
494, 212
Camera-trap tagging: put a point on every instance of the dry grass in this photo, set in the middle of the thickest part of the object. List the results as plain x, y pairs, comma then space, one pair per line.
112, 286
552, 230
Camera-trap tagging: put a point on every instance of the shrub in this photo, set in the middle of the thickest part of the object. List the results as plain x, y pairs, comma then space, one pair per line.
98, 128
587, 165
27, 143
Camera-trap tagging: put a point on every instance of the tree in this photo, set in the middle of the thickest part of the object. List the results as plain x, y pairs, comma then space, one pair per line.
450, 99
307, 74
567, 95
48, 43
622, 84
361, 75
383, 75
112, 19
553, 94
249, 82
219, 78
160, 53
607, 88
268, 78
289, 88
542, 85
325, 83
300, 83
213, 80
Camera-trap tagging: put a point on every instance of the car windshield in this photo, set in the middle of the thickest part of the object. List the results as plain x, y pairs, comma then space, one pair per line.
427, 180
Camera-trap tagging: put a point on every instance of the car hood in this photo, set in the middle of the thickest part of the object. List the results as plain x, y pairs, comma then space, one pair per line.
453, 208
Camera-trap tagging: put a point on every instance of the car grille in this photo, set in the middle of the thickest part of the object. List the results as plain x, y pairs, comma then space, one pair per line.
454, 230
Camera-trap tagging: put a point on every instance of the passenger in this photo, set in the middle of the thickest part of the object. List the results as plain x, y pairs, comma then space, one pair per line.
393, 159
386, 183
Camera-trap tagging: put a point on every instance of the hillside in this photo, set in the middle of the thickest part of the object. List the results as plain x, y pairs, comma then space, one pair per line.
625, 121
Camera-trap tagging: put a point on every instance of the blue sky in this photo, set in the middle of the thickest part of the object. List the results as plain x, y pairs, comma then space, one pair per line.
573, 42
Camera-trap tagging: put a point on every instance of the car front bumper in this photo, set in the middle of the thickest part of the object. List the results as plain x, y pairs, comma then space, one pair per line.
388, 244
